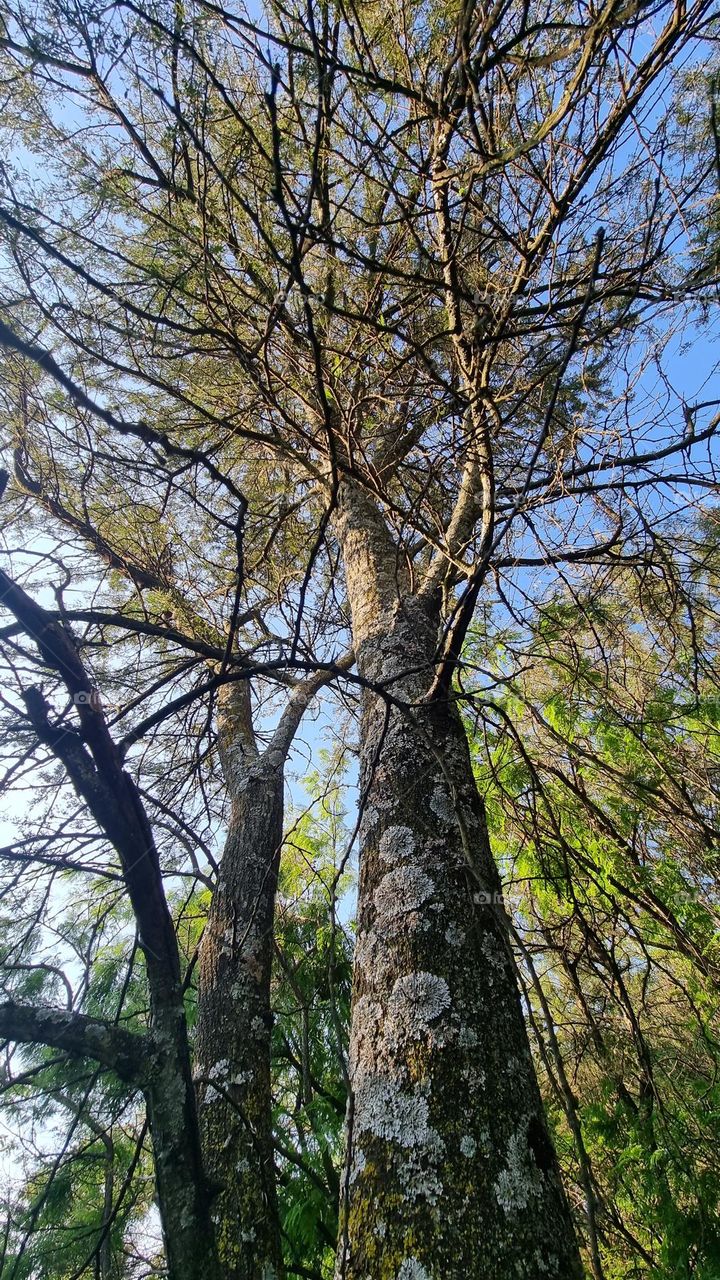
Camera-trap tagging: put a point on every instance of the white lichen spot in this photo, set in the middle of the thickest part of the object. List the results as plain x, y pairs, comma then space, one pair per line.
468, 1146
411, 1269
370, 817
395, 1115
372, 956
219, 1070
442, 806
520, 1179
475, 1077
455, 936
467, 1037
383, 1109
418, 1173
396, 844
493, 954
546, 1264
416, 1000
401, 891
380, 1229
485, 1139
357, 1165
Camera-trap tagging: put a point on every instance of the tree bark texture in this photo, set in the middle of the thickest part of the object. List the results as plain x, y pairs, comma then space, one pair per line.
234, 1019
450, 1170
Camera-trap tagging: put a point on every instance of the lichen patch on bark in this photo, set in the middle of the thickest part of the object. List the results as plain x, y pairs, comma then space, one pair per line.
520, 1181
396, 844
386, 1110
411, 1269
402, 891
416, 1001
442, 806
454, 935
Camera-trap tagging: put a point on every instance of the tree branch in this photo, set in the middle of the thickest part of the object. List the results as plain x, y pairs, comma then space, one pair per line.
124, 1052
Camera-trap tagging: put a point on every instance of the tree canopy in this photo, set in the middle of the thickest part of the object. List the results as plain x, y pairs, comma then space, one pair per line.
360, 580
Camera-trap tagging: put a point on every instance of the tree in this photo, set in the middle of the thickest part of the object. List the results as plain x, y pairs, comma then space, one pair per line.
598, 760
368, 307
231, 1044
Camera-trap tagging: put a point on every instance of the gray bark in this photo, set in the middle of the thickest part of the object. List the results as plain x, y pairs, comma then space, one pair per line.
127, 1054
450, 1170
234, 1019
234, 1013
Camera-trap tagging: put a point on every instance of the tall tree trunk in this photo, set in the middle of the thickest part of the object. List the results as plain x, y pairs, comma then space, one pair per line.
234, 1019
94, 766
450, 1170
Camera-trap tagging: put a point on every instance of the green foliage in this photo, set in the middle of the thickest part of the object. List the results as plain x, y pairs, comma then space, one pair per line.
185, 279
87, 1184
597, 758
69, 1220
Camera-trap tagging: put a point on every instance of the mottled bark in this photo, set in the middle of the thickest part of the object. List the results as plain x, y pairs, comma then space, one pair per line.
450, 1168
234, 1015
127, 1054
234, 1023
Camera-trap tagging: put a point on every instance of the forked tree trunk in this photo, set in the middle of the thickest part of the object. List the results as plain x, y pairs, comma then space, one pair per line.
234, 1024
450, 1170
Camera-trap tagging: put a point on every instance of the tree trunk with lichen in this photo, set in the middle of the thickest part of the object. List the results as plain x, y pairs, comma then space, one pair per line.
450, 1171
234, 1021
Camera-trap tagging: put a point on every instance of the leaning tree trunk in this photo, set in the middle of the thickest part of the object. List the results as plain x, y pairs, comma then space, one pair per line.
94, 765
234, 1021
450, 1170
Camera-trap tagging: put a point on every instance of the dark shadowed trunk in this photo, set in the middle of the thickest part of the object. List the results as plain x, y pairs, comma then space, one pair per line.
450, 1170
94, 766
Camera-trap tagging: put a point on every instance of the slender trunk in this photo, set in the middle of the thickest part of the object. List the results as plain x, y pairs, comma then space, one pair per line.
558, 1078
450, 1170
234, 1020
105, 1252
